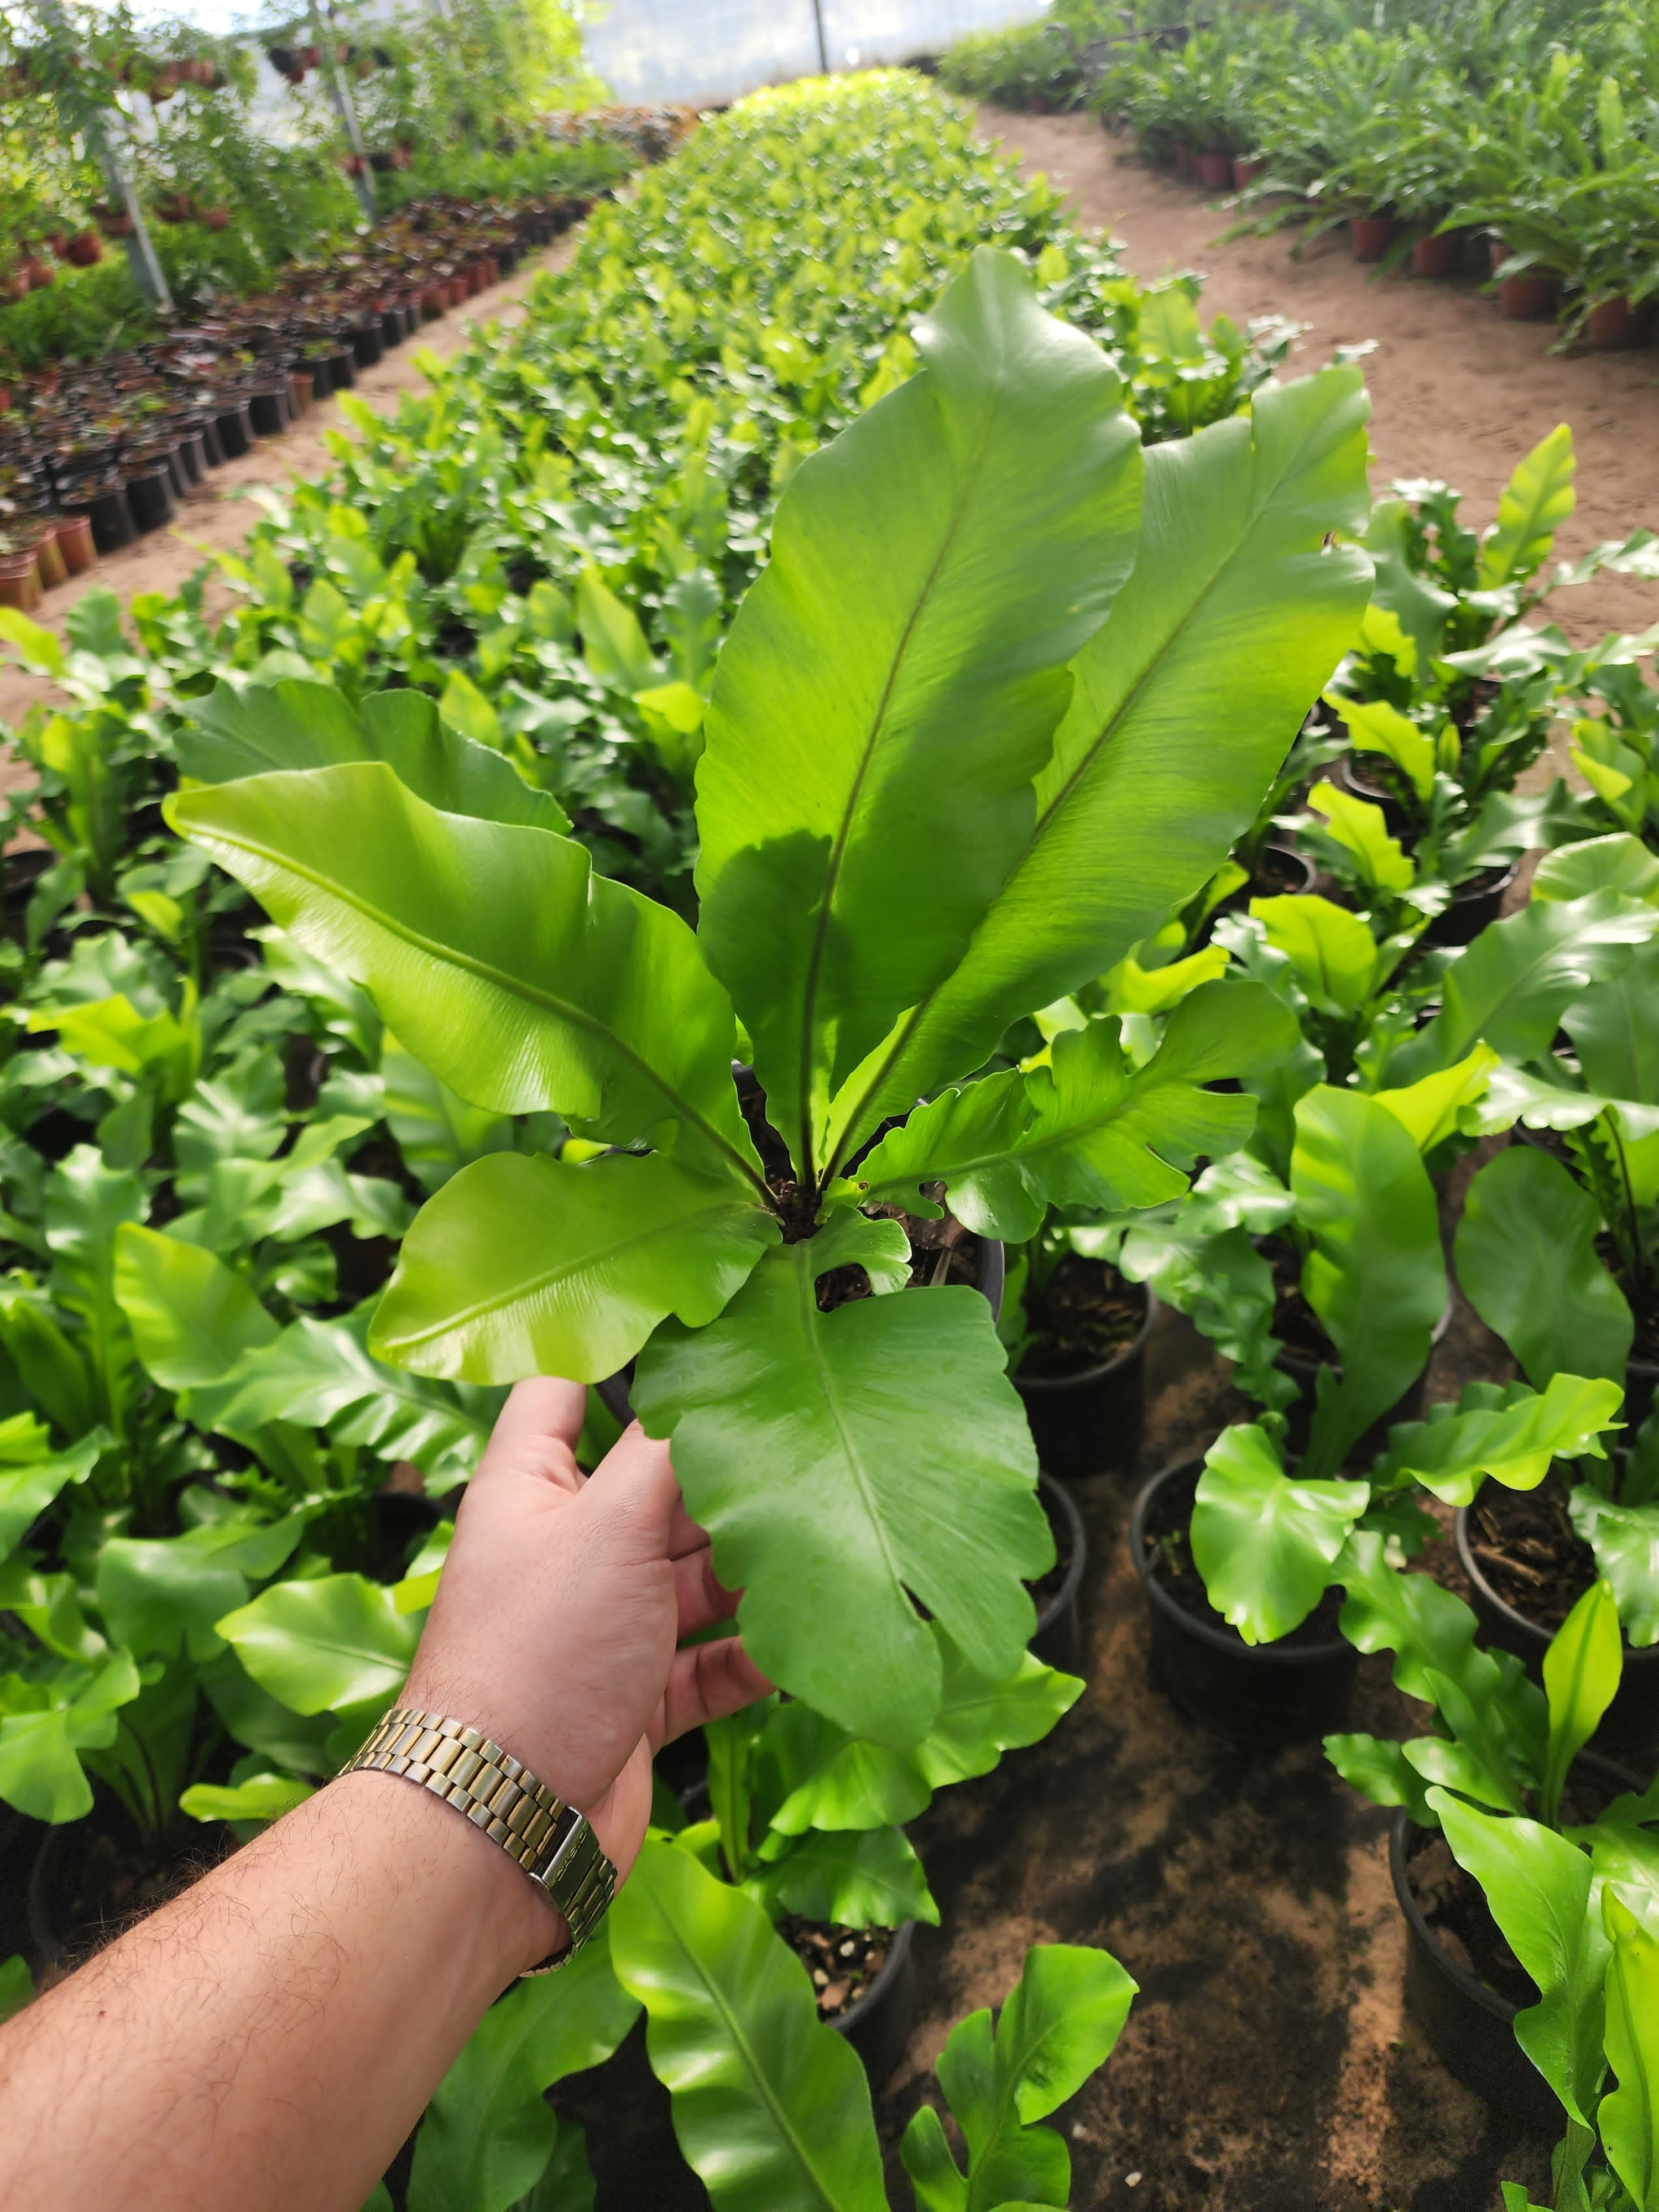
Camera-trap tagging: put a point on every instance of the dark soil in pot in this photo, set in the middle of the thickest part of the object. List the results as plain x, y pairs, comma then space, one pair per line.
1463, 1984
1473, 905
1528, 1567
1260, 1695
1371, 777
1081, 1376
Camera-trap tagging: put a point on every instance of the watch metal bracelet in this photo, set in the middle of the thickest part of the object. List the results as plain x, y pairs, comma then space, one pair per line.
550, 1839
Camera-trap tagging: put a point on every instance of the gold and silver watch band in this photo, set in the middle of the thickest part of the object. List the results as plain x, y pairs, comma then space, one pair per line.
550, 1839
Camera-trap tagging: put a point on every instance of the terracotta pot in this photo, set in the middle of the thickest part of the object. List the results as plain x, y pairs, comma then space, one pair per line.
85, 248
1214, 172
38, 272
1530, 298
1371, 235
5, 398
1246, 172
19, 581
1614, 322
456, 291
216, 219
434, 297
75, 543
298, 385
115, 222
1440, 254
58, 242
1498, 250
48, 556
1183, 158
309, 57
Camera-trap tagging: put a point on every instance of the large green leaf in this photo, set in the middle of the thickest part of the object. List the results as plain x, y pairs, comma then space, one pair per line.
1061, 2021
191, 1317
1511, 1434
771, 2107
1419, 606
848, 1877
162, 1593
489, 2131
1618, 863
1264, 1545
1514, 983
1375, 1275
1092, 1130
293, 725
1526, 1258
1186, 703
1628, 2117
1332, 952
1626, 1541
1535, 502
522, 979
845, 1463
1538, 1886
317, 1373
1582, 1668
319, 1646
47, 1721
1612, 1026
813, 1775
523, 1266
32, 1474
893, 680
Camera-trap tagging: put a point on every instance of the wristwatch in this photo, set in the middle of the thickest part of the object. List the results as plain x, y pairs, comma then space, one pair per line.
550, 1839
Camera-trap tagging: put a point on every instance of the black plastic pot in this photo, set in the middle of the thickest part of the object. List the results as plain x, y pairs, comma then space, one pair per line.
1059, 1638
366, 347
192, 457
213, 453
342, 369
1474, 904
1470, 2028
1090, 1423
1260, 1695
1641, 1381
268, 413
392, 332
149, 496
878, 2024
1349, 773
322, 376
236, 431
112, 525
1631, 1722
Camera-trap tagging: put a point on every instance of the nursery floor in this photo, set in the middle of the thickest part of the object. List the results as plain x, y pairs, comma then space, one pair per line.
1267, 2065
1457, 392
218, 515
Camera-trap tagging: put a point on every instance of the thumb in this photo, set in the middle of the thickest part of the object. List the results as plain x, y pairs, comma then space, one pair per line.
635, 1489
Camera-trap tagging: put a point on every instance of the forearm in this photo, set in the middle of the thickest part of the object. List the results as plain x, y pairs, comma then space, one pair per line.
270, 2038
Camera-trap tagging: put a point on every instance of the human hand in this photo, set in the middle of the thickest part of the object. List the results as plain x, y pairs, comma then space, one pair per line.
560, 1607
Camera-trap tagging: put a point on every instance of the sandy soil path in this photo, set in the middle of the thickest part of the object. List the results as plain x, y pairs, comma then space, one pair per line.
219, 515
1457, 392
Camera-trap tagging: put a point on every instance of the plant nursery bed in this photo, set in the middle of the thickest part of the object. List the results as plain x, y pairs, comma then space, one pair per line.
1268, 2064
1457, 392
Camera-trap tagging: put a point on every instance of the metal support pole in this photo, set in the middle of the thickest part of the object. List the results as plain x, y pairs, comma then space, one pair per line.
104, 144
340, 93
818, 22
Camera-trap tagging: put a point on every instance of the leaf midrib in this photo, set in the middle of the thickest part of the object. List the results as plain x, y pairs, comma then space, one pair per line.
838, 852
1045, 821
563, 1009
531, 1286
740, 2042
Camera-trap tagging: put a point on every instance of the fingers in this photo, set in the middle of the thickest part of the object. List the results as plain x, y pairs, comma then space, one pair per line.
705, 1683
698, 1595
537, 1431
634, 1482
